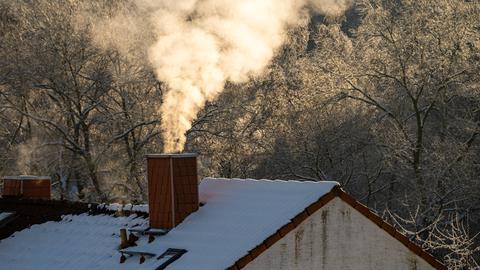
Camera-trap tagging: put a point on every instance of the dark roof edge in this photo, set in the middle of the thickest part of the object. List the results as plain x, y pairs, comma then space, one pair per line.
75, 206
178, 155
314, 207
26, 177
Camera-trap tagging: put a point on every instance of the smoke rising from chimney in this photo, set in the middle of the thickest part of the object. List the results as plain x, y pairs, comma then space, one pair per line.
201, 44
25, 156
330, 8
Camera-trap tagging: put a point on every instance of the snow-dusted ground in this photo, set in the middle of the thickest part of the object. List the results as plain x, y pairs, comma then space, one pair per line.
237, 216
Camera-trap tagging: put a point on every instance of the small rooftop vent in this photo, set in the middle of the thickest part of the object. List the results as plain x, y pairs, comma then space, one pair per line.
27, 186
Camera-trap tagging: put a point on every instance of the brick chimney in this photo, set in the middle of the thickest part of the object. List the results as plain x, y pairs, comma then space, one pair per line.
27, 187
172, 188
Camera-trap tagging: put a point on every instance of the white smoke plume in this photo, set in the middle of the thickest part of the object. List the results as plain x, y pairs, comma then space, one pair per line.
201, 44
331, 8
26, 156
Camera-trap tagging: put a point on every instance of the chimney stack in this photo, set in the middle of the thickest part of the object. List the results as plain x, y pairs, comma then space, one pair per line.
172, 188
27, 187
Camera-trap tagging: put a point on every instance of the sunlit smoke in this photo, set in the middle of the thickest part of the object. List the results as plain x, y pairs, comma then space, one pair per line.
25, 154
201, 44
331, 8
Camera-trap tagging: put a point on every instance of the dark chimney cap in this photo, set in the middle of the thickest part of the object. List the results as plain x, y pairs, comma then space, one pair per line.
26, 177
179, 155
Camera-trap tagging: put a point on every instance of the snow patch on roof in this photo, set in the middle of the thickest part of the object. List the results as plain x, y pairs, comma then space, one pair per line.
5, 215
140, 208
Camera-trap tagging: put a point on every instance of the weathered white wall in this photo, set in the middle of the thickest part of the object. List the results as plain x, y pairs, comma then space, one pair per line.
338, 237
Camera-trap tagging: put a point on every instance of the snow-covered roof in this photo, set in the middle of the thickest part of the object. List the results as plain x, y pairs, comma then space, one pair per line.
77, 242
237, 216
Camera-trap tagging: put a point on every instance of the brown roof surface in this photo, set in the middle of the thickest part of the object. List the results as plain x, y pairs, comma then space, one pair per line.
310, 210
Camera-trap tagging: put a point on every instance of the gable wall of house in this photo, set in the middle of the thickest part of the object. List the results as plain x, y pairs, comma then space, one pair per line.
338, 237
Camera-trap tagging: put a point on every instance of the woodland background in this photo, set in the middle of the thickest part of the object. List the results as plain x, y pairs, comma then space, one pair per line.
385, 100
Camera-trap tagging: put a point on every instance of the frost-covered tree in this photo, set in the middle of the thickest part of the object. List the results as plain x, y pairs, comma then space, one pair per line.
415, 63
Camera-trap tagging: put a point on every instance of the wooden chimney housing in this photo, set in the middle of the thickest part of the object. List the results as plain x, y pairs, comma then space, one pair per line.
172, 189
27, 187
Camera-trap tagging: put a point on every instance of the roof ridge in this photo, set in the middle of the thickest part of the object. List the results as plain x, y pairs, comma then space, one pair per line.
272, 180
